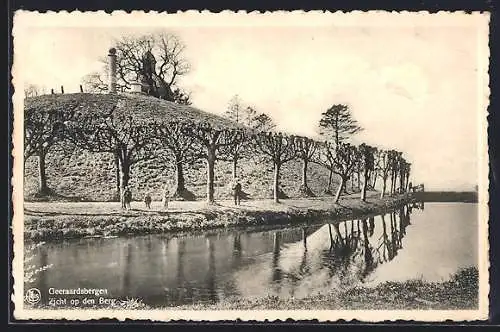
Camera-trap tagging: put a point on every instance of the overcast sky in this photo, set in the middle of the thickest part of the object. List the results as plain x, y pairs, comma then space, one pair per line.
413, 83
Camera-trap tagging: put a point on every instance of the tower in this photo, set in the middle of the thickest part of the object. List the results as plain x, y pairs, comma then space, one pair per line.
112, 70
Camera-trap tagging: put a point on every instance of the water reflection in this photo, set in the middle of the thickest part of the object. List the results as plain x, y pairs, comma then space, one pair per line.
211, 272
165, 270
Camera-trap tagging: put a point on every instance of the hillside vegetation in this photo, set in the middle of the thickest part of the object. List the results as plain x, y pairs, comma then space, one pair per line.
81, 175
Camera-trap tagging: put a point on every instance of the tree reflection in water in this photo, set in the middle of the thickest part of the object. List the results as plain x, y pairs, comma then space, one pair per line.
275, 268
127, 268
351, 246
210, 277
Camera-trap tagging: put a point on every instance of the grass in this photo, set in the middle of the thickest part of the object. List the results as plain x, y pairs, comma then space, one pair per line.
56, 221
460, 292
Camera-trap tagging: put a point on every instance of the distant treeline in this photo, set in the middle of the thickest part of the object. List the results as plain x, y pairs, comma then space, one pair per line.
447, 196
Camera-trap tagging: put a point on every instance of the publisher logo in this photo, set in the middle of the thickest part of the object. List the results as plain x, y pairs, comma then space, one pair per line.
33, 296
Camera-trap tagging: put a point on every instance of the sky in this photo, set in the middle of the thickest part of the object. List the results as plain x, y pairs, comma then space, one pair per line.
415, 84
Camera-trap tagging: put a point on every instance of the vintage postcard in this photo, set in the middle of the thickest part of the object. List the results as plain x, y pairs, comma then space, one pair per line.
204, 166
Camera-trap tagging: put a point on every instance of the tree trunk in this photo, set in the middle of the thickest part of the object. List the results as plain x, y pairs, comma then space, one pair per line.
210, 176
328, 187
304, 173
402, 182
374, 179
117, 175
124, 176
339, 189
365, 184
42, 175
331, 236
337, 231
276, 182
392, 184
366, 245
235, 165
395, 185
179, 175
384, 184
358, 179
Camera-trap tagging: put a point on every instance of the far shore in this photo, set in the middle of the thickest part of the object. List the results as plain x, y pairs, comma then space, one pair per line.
57, 221
447, 196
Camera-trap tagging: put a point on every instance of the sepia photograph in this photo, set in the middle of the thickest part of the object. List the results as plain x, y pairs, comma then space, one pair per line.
250, 166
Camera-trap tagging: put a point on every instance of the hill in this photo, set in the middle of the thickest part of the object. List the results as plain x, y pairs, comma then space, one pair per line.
143, 108
75, 174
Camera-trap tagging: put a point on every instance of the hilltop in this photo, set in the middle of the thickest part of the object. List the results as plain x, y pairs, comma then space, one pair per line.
143, 108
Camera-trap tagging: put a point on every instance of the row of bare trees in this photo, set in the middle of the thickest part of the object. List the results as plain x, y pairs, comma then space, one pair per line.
131, 140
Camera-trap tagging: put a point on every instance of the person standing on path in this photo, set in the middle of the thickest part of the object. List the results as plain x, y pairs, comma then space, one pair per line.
147, 200
237, 193
127, 195
165, 197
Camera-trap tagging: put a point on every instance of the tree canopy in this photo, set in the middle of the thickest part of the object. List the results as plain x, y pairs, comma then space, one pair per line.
156, 61
337, 124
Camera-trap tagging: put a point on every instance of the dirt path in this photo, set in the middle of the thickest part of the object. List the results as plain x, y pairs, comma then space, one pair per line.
138, 208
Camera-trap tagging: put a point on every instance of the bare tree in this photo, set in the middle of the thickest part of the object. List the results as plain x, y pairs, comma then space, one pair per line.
156, 61
96, 83
33, 90
367, 164
216, 142
384, 169
394, 160
407, 175
376, 168
43, 128
248, 117
404, 169
241, 115
279, 149
118, 133
336, 125
306, 151
340, 160
181, 149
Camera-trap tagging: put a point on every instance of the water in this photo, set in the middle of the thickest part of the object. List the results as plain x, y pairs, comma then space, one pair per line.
429, 243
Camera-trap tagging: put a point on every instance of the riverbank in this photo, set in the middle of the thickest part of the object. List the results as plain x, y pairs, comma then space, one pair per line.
461, 292
45, 221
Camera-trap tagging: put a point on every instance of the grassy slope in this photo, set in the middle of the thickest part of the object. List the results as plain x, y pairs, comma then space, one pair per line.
91, 177
80, 175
